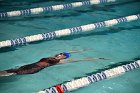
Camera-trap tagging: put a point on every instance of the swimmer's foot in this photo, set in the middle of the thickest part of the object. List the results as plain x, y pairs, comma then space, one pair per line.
4, 73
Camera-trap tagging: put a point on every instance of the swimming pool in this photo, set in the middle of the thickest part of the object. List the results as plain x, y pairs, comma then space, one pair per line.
119, 43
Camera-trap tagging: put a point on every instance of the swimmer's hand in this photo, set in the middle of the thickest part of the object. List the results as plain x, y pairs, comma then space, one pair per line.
104, 58
90, 59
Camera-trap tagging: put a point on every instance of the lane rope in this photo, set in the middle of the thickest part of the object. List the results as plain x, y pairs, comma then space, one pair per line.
66, 32
85, 81
52, 8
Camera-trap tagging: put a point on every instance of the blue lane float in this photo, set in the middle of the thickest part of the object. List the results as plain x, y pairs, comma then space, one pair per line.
52, 8
66, 32
85, 81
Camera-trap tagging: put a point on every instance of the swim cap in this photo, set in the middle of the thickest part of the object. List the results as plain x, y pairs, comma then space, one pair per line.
66, 54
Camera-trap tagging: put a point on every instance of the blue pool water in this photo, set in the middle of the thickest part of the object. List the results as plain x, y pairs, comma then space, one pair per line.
119, 43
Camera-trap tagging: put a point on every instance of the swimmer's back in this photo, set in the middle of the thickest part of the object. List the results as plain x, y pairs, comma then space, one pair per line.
50, 60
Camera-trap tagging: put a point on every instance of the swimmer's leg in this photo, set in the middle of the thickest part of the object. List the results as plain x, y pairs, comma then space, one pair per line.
5, 73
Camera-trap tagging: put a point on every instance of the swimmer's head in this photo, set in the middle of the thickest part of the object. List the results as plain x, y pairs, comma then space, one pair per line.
63, 55
66, 54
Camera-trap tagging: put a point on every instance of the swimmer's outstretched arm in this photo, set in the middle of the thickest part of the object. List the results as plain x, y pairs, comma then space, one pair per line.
86, 59
76, 51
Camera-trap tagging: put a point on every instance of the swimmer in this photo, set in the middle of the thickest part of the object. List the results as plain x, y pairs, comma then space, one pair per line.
43, 63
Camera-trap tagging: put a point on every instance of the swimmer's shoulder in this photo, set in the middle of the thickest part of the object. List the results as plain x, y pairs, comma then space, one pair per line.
46, 59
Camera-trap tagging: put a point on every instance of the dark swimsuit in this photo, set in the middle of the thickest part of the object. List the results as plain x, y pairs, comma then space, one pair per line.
35, 67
